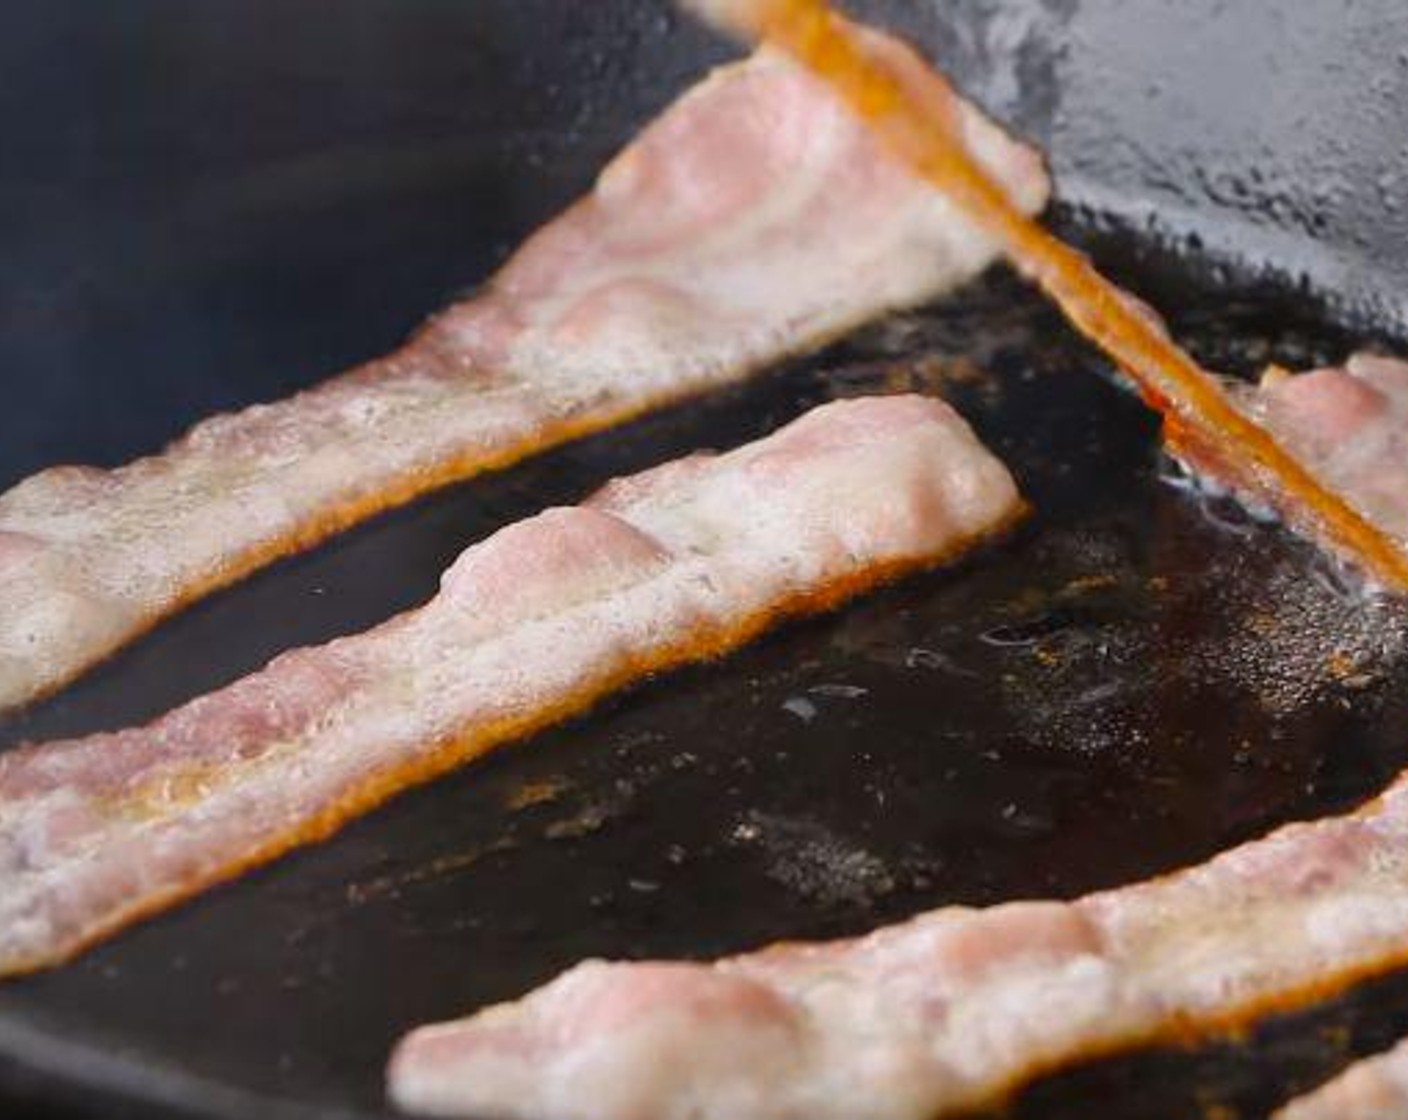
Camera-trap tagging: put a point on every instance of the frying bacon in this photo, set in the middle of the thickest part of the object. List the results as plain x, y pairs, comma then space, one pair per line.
1373, 1089
1347, 425
754, 219
1198, 411
676, 564
942, 1013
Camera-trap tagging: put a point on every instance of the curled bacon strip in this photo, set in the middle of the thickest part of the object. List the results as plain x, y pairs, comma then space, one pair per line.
945, 1012
1199, 413
673, 565
754, 219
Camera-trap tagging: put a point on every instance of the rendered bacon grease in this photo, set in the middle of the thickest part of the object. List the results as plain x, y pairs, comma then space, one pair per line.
755, 218
1373, 1089
942, 1013
674, 565
1202, 420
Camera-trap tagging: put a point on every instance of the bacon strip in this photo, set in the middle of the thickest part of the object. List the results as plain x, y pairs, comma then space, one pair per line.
942, 1013
754, 219
1197, 408
1347, 425
677, 564
1373, 1089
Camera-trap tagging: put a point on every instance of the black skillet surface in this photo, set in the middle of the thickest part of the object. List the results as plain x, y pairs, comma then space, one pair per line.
208, 204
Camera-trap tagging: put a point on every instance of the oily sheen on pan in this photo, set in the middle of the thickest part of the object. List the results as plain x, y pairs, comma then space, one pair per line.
677, 564
755, 218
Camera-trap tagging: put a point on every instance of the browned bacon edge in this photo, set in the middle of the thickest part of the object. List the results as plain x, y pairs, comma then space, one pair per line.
176, 785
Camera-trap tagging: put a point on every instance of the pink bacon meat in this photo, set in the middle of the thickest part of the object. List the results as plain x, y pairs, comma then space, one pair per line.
677, 564
754, 219
1347, 425
940, 1014
1373, 1089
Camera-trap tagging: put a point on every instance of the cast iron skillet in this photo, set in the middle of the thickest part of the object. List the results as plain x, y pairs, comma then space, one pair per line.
203, 205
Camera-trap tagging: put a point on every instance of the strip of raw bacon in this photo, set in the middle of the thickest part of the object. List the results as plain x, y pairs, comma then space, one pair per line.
1198, 410
1348, 426
1373, 1089
942, 1013
673, 565
754, 219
